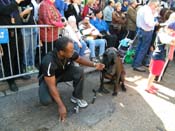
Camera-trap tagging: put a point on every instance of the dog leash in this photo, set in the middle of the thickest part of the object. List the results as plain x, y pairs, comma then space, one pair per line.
94, 97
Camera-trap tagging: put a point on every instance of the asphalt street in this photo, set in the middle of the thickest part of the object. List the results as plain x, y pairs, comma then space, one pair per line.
134, 110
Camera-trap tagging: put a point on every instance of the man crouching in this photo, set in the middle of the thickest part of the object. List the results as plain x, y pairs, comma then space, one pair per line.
57, 66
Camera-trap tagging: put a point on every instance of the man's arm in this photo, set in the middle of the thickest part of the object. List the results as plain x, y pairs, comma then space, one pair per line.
51, 82
85, 62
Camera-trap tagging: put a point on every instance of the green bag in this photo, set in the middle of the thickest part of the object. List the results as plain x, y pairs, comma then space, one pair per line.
129, 56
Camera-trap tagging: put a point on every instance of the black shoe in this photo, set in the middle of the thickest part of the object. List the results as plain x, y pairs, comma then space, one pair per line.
26, 77
146, 65
140, 69
103, 90
13, 86
100, 58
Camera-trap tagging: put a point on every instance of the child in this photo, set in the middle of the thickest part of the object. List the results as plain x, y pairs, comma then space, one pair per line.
164, 36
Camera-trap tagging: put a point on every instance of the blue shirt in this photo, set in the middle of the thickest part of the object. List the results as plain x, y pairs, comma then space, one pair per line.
124, 8
61, 6
100, 24
107, 13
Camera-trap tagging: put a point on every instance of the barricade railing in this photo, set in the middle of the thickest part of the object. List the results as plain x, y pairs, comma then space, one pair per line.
21, 44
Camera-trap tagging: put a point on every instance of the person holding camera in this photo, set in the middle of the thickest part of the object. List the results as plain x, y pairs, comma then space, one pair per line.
9, 15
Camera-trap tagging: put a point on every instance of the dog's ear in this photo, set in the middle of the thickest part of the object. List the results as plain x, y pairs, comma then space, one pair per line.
105, 57
105, 60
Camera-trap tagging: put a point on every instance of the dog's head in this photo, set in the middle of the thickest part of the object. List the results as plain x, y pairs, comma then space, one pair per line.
109, 57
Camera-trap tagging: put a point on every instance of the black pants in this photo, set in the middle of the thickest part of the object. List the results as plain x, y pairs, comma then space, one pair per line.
131, 34
14, 54
75, 74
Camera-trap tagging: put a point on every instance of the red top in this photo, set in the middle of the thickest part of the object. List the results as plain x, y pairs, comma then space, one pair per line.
85, 11
49, 15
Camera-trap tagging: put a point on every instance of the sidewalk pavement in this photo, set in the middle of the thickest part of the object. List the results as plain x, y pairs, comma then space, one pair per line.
135, 110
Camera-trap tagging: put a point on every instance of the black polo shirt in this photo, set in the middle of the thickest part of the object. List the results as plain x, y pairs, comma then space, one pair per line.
51, 65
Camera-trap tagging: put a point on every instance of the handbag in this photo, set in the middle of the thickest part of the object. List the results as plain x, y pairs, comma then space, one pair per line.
4, 36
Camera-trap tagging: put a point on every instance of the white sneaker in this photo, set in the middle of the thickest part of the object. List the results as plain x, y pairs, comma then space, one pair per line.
81, 103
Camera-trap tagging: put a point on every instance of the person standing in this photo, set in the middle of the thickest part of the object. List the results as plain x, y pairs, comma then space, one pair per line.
9, 15
107, 12
131, 19
74, 9
145, 22
26, 10
49, 15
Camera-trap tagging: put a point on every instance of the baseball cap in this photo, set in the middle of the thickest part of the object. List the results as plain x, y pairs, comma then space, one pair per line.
172, 26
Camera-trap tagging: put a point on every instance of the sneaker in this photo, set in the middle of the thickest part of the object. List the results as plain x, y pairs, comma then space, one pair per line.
81, 103
13, 86
76, 64
151, 91
29, 69
94, 59
140, 69
100, 58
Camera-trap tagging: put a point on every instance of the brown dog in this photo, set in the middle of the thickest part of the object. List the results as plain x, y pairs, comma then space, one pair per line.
114, 70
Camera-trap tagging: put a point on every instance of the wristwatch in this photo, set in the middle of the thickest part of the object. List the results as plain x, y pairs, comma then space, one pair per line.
94, 64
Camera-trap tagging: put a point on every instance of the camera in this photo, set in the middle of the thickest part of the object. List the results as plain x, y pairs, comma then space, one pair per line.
90, 14
63, 19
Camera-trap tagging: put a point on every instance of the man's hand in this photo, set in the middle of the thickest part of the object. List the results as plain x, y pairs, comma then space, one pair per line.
99, 66
19, 1
1, 51
25, 12
79, 45
62, 112
100, 35
51, 83
172, 42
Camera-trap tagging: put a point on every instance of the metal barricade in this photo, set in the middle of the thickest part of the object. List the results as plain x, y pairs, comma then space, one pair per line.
19, 53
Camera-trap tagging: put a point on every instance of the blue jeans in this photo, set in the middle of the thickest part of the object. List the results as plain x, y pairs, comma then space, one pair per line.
30, 43
142, 47
79, 50
96, 43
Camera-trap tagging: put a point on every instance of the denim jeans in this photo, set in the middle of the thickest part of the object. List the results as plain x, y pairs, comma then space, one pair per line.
142, 47
30, 43
96, 43
75, 74
79, 50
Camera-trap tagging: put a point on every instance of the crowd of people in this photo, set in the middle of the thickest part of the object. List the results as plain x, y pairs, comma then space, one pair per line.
82, 27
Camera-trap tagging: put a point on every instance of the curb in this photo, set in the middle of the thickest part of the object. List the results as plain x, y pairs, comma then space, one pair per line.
87, 70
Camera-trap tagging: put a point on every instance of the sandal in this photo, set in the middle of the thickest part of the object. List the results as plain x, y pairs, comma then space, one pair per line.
154, 88
151, 91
